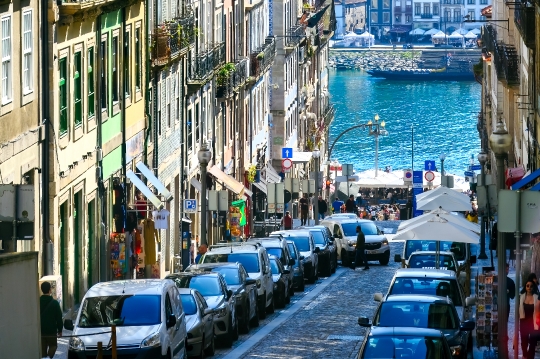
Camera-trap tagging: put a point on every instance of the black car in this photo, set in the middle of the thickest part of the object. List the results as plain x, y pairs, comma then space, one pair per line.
425, 311
298, 267
418, 343
241, 285
280, 275
327, 254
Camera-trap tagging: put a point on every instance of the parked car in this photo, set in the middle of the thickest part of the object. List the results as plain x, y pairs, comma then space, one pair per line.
306, 244
425, 311
428, 260
148, 314
242, 287
199, 323
280, 275
327, 250
213, 288
412, 342
254, 258
298, 266
344, 232
461, 250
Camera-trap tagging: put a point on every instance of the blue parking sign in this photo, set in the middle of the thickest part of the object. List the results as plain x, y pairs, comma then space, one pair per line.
190, 205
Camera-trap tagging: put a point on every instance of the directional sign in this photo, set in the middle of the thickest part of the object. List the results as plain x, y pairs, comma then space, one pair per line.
190, 205
286, 152
429, 165
469, 173
475, 167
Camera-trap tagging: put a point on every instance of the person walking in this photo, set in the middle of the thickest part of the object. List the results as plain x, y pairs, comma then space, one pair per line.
51, 321
360, 258
323, 207
304, 208
528, 307
336, 205
350, 205
287, 221
511, 290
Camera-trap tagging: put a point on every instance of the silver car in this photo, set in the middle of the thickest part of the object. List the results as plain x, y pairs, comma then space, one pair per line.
199, 323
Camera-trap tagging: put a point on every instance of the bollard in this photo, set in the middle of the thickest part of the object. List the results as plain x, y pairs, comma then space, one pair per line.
99, 350
113, 342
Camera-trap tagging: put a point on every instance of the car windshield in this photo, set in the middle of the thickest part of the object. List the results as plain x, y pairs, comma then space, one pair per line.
207, 285
399, 346
368, 228
121, 310
278, 252
414, 314
250, 261
230, 274
445, 246
428, 261
274, 266
302, 243
318, 237
428, 286
292, 250
188, 302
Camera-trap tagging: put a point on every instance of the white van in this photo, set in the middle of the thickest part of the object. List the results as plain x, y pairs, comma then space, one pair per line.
148, 314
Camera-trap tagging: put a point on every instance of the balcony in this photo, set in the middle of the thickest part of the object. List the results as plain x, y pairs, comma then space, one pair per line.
160, 47
506, 60
295, 35
328, 115
201, 67
489, 38
398, 10
79, 10
524, 18
426, 16
230, 77
263, 58
182, 34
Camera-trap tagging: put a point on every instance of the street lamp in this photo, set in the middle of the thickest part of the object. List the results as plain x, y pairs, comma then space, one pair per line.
377, 129
316, 155
204, 156
500, 142
482, 159
442, 157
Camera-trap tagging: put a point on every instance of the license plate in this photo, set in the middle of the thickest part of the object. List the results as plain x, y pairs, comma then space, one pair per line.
371, 252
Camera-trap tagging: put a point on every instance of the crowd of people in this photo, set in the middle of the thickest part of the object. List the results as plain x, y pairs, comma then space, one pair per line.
384, 212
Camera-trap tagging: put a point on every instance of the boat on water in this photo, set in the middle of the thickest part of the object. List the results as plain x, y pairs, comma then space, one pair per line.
423, 74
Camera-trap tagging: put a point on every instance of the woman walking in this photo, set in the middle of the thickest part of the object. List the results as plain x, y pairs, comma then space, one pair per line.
528, 303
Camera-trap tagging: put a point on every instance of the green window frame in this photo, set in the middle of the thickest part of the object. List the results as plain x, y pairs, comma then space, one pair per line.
138, 57
62, 90
77, 89
127, 63
91, 84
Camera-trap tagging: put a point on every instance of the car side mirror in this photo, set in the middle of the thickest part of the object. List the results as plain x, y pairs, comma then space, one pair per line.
364, 322
378, 297
470, 301
68, 324
292, 262
397, 258
317, 250
229, 293
301, 257
473, 259
250, 281
171, 321
467, 325
286, 271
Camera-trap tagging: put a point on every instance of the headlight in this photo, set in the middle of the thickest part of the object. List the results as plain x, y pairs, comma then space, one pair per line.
222, 312
456, 350
76, 343
384, 242
152, 340
351, 243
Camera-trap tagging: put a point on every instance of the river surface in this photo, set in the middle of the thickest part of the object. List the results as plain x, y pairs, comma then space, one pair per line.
443, 114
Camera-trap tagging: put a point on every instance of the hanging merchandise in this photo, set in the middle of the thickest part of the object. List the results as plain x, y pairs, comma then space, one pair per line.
161, 219
151, 236
486, 310
241, 206
118, 255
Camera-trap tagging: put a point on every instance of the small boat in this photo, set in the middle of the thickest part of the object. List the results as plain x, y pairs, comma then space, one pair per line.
423, 75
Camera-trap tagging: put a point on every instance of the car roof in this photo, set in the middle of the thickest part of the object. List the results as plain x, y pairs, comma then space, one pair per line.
318, 228
192, 274
348, 220
432, 253
244, 247
412, 331
130, 287
425, 273
416, 298
295, 233
268, 242
209, 266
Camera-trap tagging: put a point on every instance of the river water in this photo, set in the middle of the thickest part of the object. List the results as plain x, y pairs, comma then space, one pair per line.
443, 114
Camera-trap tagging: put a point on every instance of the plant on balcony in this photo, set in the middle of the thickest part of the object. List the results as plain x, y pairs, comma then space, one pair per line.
224, 73
251, 173
310, 51
260, 55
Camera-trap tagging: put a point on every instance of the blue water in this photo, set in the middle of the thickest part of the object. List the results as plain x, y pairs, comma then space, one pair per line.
443, 114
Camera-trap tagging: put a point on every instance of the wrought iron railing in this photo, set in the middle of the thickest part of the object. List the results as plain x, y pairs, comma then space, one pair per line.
230, 82
426, 16
524, 18
328, 114
295, 34
506, 62
263, 58
161, 50
182, 30
489, 37
202, 65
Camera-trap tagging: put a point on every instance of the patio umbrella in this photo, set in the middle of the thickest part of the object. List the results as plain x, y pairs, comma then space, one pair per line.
443, 190
470, 35
461, 31
437, 229
417, 31
431, 32
444, 201
476, 31
439, 35
460, 221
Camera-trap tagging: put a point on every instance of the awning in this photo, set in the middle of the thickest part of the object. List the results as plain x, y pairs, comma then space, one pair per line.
198, 186
229, 182
145, 190
271, 175
167, 196
301, 157
261, 186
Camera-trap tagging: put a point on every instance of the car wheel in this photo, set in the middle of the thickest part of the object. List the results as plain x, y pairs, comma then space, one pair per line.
262, 307
385, 260
211, 349
245, 319
201, 354
344, 258
328, 268
271, 308
236, 334
302, 285
255, 320
288, 297
229, 337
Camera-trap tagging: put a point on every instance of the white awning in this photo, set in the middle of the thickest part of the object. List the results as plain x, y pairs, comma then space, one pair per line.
167, 196
271, 175
301, 157
145, 190
261, 186
198, 186
229, 182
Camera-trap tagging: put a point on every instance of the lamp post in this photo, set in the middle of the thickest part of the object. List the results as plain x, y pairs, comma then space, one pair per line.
204, 156
482, 159
377, 129
442, 157
500, 142
316, 155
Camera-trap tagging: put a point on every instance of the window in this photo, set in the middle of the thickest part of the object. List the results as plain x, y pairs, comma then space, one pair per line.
471, 14
436, 9
197, 128
386, 17
168, 101
408, 19
427, 10
62, 91
90, 79
483, 2
398, 3
374, 4
138, 57
447, 15
27, 52
190, 130
77, 89
374, 17
127, 62
115, 68
417, 9
471, 2
386, 4
6, 60
103, 86
457, 15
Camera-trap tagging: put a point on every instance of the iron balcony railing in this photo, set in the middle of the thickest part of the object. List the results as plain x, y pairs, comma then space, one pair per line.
201, 66
524, 18
295, 34
328, 115
263, 58
182, 32
489, 37
506, 61
233, 80
426, 16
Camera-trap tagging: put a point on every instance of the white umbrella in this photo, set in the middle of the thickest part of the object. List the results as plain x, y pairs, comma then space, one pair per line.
476, 31
439, 35
443, 201
443, 190
455, 35
461, 31
437, 229
417, 31
460, 221
470, 35
432, 32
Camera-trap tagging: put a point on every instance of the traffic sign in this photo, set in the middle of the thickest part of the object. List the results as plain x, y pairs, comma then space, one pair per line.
475, 167
286, 152
429, 176
408, 175
286, 163
271, 208
190, 205
469, 173
429, 165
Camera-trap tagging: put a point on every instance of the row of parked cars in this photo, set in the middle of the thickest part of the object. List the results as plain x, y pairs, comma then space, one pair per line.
210, 303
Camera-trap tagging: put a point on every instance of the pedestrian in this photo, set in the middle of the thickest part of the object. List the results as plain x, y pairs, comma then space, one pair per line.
337, 205
202, 250
287, 221
510, 290
528, 308
531, 277
323, 207
360, 258
350, 205
304, 208
51, 321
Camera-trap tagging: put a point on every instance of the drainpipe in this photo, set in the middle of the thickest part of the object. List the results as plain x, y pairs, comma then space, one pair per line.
48, 247
148, 63
123, 124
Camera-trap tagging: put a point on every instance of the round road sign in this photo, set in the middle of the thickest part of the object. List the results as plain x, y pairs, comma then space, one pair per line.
429, 176
408, 174
286, 163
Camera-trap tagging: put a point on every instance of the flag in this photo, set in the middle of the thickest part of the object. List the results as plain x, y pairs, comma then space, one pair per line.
241, 205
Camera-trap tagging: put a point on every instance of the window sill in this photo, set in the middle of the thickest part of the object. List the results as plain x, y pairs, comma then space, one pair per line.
116, 107
78, 132
138, 95
128, 100
104, 115
91, 123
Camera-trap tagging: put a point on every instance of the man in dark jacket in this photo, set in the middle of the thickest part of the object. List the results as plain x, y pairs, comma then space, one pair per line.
360, 258
51, 321
323, 207
350, 205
